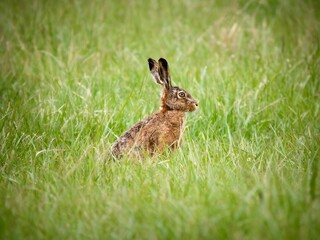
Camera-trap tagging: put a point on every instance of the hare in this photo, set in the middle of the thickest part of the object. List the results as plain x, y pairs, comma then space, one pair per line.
162, 130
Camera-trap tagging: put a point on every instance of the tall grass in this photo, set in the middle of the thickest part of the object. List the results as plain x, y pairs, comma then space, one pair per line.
74, 76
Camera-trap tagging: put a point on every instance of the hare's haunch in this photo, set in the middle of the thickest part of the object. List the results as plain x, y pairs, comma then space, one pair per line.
162, 129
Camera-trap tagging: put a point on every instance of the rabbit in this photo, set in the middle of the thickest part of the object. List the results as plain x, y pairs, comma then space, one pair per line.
163, 129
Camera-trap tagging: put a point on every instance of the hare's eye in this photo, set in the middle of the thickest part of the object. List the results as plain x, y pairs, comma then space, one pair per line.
181, 94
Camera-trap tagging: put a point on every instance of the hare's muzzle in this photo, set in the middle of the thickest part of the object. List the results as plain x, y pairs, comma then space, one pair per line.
193, 106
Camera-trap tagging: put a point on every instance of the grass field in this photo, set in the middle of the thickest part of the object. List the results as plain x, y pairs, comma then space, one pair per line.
74, 76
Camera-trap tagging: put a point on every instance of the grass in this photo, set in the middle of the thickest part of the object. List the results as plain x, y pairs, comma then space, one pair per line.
74, 76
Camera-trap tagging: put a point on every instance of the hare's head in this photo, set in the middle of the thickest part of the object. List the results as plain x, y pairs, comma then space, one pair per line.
172, 98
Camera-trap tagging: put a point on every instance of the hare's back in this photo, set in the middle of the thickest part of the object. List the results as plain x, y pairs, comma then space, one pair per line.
129, 138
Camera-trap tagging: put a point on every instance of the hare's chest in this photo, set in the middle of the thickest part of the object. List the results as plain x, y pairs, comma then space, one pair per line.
161, 131
171, 138
170, 131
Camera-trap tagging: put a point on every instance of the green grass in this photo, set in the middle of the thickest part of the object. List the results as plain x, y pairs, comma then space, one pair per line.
74, 76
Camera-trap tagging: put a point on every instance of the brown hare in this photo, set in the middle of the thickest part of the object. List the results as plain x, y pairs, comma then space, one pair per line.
163, 129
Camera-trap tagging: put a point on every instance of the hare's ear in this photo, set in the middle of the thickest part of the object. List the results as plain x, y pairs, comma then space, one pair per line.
154, 67
164, 73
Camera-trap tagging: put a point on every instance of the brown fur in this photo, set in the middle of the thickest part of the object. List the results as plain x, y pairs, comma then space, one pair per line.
162, 129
